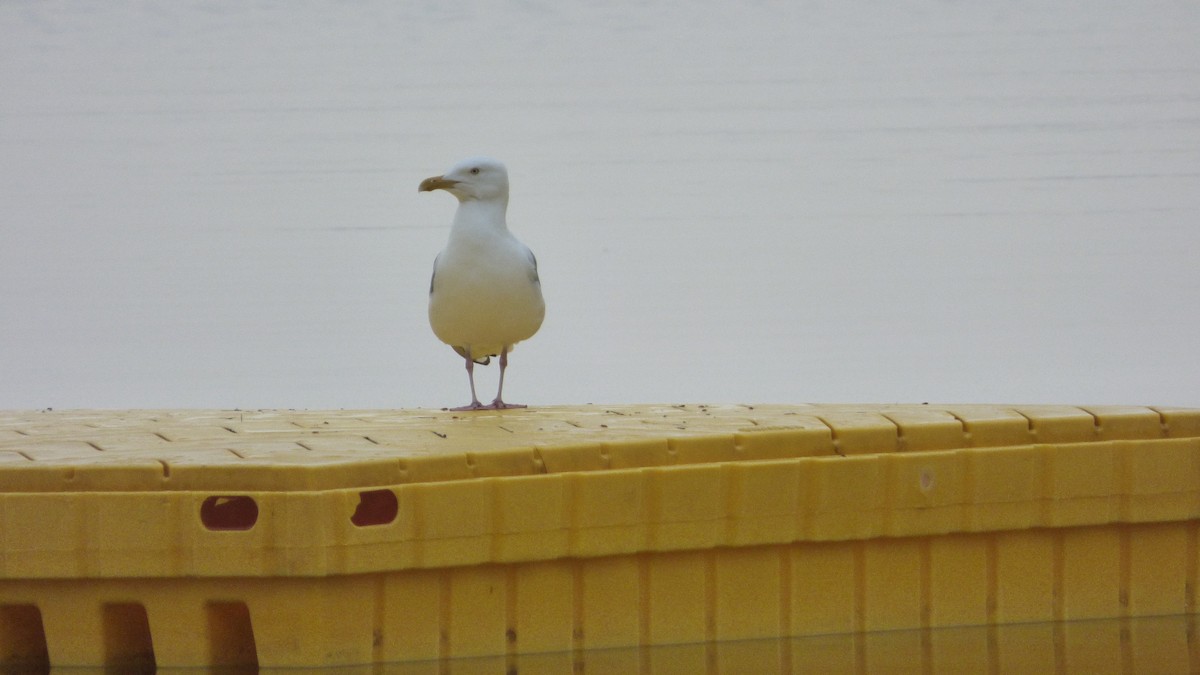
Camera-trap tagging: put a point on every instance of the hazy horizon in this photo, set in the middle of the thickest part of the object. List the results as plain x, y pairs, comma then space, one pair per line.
215, 205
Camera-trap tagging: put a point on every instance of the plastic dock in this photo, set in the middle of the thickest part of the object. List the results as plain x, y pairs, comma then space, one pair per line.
183, 538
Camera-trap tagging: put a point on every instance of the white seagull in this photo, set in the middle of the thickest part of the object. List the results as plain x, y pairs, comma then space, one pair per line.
485, 295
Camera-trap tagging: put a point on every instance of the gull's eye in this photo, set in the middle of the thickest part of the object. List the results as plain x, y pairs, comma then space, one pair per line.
475, 171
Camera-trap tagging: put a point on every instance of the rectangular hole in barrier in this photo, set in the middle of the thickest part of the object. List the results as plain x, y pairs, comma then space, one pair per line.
231, 636
22, 640
127, 643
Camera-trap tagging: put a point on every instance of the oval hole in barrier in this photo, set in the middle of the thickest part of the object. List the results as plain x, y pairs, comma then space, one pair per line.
375, 507
229, 513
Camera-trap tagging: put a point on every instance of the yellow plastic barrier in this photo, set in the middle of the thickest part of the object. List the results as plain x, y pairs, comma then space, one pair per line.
323, 538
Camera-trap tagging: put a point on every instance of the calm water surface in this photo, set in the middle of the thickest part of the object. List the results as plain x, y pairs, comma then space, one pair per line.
1126, 646
214, 204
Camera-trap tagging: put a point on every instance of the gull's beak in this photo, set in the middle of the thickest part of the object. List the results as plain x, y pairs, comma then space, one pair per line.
436, 183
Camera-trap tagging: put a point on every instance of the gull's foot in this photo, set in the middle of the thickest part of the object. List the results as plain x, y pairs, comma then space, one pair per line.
501, 405
474, 405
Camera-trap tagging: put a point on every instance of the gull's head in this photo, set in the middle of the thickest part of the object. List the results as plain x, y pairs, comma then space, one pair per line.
474, 178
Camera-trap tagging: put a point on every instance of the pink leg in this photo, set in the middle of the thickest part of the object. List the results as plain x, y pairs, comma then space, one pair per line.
475, 404
499, 403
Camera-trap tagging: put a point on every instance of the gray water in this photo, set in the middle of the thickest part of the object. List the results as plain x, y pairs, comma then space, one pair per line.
215, 204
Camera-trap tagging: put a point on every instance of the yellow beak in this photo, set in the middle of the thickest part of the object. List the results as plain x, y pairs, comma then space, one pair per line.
436, 183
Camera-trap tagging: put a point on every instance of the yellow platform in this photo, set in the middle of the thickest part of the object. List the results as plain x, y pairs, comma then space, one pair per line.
323, 538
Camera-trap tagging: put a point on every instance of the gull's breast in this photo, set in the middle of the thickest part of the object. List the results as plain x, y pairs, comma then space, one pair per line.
485, 298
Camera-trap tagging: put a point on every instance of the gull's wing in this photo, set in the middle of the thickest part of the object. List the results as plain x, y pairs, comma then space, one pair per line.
533, 273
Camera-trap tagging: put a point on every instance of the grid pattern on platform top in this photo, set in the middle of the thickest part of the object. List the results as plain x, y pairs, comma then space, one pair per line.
76, 450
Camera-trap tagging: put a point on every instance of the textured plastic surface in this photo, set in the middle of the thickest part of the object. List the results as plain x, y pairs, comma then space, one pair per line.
185, 538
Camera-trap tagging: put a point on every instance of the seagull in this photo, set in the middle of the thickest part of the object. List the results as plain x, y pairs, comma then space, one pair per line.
485, 295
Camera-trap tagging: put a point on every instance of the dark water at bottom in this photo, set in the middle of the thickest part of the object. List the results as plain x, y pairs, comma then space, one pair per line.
1142, 645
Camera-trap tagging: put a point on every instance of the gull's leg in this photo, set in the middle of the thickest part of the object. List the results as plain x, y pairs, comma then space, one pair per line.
475, 404
499, 403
